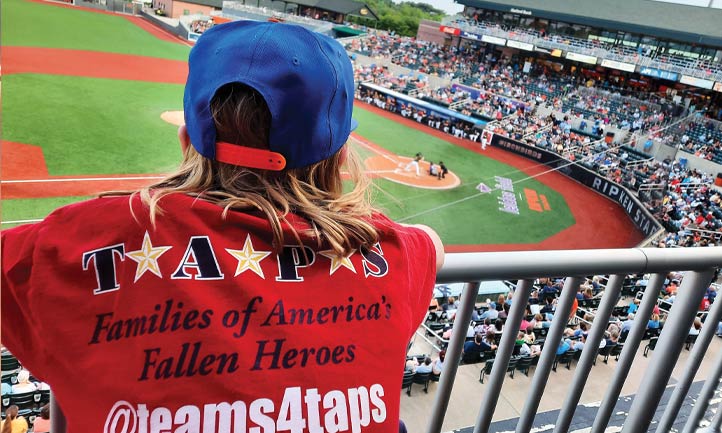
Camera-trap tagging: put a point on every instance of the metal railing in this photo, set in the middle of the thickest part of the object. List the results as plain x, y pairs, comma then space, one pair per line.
699, 263
575, 265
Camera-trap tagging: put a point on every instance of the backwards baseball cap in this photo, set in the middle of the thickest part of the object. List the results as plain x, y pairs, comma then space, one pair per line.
305, 78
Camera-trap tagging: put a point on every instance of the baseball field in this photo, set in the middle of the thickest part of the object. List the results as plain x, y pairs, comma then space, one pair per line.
90, 103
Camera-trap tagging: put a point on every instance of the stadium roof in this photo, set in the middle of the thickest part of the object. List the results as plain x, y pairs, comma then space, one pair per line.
691, 24
213, 3
346, 7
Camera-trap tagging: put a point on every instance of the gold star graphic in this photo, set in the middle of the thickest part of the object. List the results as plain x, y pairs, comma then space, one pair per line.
337, 262
248, 258
147, 258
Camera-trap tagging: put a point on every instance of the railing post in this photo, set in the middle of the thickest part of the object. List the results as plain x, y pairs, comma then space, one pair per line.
693, 363
698, 410
581, 373
716, 425
649, 300
546, 360
670, 343
59, 423
503, 354
453, 356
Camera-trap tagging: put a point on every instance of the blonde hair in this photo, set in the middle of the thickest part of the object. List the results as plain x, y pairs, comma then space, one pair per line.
339, 220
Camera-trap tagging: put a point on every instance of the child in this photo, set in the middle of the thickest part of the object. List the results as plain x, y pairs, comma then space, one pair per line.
246, 288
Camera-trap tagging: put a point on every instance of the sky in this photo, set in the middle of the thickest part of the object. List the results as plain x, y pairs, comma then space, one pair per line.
447, 6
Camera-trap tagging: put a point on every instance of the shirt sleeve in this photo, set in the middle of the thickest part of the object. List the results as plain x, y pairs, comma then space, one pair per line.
20, 322
421, 258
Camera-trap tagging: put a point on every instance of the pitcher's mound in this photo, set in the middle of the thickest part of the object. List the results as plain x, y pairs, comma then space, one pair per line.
394, 169
173, 117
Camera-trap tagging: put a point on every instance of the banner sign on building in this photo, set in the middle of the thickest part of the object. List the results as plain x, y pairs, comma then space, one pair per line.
697, 82
472, 36
520, 11
493, 40
582, 58
520, 45
628, 67
639, 215
556, 52
658, 73
450, 30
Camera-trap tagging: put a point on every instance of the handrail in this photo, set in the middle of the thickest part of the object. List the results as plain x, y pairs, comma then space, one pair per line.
531, 264
525, 266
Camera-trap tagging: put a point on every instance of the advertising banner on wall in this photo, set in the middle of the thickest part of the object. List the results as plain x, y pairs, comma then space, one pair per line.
628, 67
658, 73
639, 215
582, 58
697, 82
493, 40
520, 45
472, 36
449, 30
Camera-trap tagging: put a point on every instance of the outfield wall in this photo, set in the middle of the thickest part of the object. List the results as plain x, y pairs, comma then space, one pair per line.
636, 211
178, 29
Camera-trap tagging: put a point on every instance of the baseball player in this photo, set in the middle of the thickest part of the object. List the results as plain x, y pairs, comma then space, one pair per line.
245, 289
414, 163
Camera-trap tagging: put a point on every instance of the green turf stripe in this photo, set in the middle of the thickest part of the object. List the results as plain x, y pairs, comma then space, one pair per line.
476, 218
33, 24
32, 208
91, 125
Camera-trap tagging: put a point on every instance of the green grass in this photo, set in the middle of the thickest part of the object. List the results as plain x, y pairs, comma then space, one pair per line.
129, 139
476, 218
26, 23
32, 208
91, 125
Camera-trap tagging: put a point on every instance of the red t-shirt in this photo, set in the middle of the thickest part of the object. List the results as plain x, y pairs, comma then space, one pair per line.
197, 326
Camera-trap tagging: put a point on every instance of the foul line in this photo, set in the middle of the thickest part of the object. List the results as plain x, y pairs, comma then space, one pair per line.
21, 221
81, 179
534, 176
368, 146
105, 179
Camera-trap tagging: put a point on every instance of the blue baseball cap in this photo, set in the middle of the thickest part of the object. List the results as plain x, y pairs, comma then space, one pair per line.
305, 77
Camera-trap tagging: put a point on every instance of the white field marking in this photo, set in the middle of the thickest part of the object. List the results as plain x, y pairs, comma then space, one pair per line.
366, 145
345, 173
534, 176
81, 179
434, 209
21, 221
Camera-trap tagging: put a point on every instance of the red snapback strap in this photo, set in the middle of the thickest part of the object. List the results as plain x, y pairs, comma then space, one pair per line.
249, 156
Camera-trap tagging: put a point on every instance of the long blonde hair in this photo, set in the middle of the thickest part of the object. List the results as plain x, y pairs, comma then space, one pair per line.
339, 220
